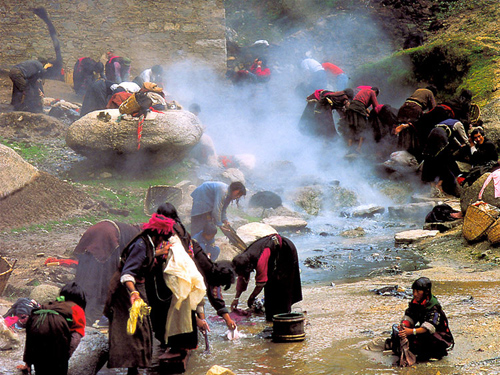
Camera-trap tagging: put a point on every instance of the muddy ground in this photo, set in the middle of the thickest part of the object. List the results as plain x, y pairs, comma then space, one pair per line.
466, 286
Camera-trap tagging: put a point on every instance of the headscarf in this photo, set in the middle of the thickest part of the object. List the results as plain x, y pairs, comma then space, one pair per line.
159, 223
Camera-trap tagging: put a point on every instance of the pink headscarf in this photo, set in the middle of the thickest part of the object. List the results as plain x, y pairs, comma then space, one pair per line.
160, 224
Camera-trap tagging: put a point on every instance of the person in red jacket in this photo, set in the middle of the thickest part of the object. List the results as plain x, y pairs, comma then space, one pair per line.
260, 71
357, 115
336, 76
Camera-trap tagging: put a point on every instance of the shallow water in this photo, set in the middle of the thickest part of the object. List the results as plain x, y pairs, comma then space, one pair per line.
340, 259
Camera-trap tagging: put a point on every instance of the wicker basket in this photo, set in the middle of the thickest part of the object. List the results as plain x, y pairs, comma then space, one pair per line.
129, 106
493, 233
159, 194
5, 271
476, 223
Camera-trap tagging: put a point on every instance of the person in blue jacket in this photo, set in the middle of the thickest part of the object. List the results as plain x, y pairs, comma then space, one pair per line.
210, 202
206, 239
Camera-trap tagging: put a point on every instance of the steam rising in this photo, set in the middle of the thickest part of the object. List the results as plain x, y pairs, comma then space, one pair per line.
262, 119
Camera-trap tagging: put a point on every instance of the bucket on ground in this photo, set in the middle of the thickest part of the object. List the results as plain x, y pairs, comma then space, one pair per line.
288, 327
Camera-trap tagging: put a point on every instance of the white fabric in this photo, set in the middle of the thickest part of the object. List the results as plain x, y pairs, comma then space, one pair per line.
156, 98
187, 286
131, 87
234, 334
311, 65
261, 41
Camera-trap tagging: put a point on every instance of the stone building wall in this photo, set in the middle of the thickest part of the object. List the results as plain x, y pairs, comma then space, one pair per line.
147, 31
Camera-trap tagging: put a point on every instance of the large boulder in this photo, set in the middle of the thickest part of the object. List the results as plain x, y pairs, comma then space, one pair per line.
471, 193
29, 196
253, 231
169, 135
16, 172
90, 355
285, 223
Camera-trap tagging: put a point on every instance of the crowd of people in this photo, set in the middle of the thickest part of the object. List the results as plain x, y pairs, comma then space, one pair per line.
157, 270
438, 136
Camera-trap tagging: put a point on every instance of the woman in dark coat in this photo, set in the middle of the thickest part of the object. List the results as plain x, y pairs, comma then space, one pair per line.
98, 253
54, 331
439, 165
275, 260
317, 118
160, 295
128, 285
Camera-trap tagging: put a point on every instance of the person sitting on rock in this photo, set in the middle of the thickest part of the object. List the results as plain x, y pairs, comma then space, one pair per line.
424, 331
481, 150
481, 153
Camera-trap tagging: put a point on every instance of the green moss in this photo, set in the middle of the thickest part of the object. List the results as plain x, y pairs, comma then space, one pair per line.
32, 153
451, 64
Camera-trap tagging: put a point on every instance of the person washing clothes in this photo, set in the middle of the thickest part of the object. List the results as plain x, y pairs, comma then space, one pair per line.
424, 327
210, 202
275, 260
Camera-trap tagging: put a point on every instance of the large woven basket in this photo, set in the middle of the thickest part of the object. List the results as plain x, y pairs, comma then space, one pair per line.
493, 233
159, 194
5, 271
476, 223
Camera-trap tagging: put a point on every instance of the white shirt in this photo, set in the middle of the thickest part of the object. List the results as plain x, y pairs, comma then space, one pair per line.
311, 65
147, 75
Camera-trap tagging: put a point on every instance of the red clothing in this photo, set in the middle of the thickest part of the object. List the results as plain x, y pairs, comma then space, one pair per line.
332, 68
78, 324
261, 269
258, 71
367, 97
117, 99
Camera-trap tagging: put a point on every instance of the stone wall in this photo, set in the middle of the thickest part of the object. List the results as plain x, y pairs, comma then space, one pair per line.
149, 32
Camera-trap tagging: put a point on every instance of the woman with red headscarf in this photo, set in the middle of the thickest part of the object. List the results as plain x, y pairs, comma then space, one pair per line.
128, 285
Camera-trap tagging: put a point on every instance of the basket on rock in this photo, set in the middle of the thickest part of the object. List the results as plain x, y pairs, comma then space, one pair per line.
478, 219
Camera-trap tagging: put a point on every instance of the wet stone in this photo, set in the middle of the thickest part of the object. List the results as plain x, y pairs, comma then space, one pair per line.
411, 236
368, 211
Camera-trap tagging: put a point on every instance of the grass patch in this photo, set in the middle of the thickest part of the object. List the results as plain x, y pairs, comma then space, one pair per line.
31, 152
451, 64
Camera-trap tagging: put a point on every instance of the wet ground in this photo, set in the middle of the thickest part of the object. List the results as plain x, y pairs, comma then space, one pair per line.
342, 319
